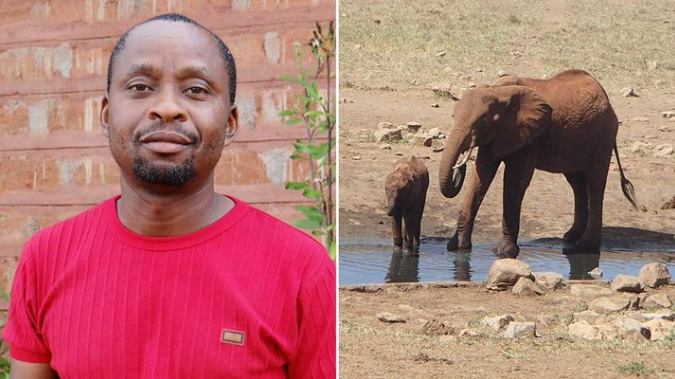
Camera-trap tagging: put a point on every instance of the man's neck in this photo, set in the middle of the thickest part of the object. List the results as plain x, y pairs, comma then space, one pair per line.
149, 213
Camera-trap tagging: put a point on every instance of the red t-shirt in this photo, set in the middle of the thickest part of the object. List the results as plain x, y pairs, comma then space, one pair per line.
245, 297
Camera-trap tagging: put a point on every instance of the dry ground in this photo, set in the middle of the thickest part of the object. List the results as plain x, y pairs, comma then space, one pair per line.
389, 62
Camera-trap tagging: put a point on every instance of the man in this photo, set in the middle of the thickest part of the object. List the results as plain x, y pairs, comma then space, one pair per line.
170, 279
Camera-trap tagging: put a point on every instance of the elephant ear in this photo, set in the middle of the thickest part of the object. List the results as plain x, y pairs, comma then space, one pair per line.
526, 117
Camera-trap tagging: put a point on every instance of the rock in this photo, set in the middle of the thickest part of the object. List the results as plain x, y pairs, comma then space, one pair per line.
356, 157
663, 150
428, 141
595, 273
468, 332
670, 316
666, 128
386, 146
592, 332
527, 287
413, 126
441, 54
501, 73
434, 133
435, 105
610, 304
414, 82
438, 328
661, 328
589, 291
548, 280
505, 273
497, 322
670, 204
520, 330
480, 70
659, 300
630, 92
668, 114
654, 275
640, 119
627, 283
589, 317
382, 135
417, 139
389, 318
386, 125
640, 147
438, 149
630, 329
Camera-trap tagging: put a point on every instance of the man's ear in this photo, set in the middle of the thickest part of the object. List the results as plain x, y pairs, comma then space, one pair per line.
232, 125
104, 115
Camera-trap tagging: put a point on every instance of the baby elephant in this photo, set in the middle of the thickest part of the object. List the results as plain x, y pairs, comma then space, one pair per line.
406, 188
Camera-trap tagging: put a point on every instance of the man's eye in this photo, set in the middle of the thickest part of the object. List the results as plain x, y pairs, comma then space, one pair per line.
196, 91
139, 88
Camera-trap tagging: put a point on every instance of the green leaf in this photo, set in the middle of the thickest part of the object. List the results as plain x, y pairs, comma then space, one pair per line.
295, 185
293, 121
332, 250
310, 212
289, 78
311, 192
295, 156
305, 224
286, 112
318, 232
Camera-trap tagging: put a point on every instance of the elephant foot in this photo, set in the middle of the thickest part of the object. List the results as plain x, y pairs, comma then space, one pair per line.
457, 243
572, 235
506, 249
587, 243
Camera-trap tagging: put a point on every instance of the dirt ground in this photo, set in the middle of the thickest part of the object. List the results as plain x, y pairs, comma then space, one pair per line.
384, 78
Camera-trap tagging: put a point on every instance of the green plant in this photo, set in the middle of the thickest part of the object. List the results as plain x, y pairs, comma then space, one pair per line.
316, 113
634, 368
4, 349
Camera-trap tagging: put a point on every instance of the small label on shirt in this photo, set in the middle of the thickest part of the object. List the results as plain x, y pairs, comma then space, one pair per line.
232, 336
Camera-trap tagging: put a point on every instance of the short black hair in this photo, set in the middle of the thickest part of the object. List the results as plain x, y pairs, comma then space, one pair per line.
225, 53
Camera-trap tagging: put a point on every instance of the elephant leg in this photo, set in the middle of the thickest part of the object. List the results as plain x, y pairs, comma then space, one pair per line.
577, 181
479, 181
409, 230
396, 227
419, 212
517, 177
596, 179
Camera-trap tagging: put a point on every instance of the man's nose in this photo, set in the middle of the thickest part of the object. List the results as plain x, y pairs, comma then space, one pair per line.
168, 107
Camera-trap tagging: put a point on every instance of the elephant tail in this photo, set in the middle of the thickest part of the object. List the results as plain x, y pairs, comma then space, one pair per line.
627, 186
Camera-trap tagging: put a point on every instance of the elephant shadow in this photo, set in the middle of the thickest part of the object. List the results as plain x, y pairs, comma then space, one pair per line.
403, 267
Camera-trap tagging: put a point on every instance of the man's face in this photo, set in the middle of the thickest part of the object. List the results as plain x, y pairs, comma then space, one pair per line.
167, 115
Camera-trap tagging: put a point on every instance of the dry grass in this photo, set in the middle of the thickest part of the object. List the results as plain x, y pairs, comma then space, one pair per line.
391, 43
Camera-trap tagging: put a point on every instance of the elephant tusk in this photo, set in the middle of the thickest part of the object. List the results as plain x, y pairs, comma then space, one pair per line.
463, 162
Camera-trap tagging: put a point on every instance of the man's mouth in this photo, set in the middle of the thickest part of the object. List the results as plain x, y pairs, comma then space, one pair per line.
165, 142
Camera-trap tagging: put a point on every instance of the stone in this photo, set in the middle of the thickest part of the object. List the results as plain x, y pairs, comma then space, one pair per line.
640, 147
382, 135
640, 119
413, 126
587, 291
501, 73
670, 316
389, 318
386, 146
386, 125
441, 54
505, 273
663, 150
497, 322
434, 133
668, 114
548, 280
666, 128
661, 328
428, 141
447, 91
627, 283
658, 300
633, 330
589, 317
630, 92
609, 304
527, 287
438, 328
356, 157
595, 273
468, 332
592, 332
654, 275
521, 330
435, 105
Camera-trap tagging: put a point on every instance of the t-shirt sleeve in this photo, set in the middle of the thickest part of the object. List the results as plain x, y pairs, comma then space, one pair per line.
315, 353
21, 330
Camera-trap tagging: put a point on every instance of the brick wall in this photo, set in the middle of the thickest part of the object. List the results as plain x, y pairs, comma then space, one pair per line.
54, 161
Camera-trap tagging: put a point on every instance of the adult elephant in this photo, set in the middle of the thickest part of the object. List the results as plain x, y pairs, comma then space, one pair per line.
564, 124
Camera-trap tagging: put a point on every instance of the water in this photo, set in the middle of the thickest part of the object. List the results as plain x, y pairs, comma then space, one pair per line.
372, 261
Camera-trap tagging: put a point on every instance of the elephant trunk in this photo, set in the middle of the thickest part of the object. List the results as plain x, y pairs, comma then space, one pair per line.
451, 176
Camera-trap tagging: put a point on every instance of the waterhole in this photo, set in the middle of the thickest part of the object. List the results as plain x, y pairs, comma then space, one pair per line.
367, 261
